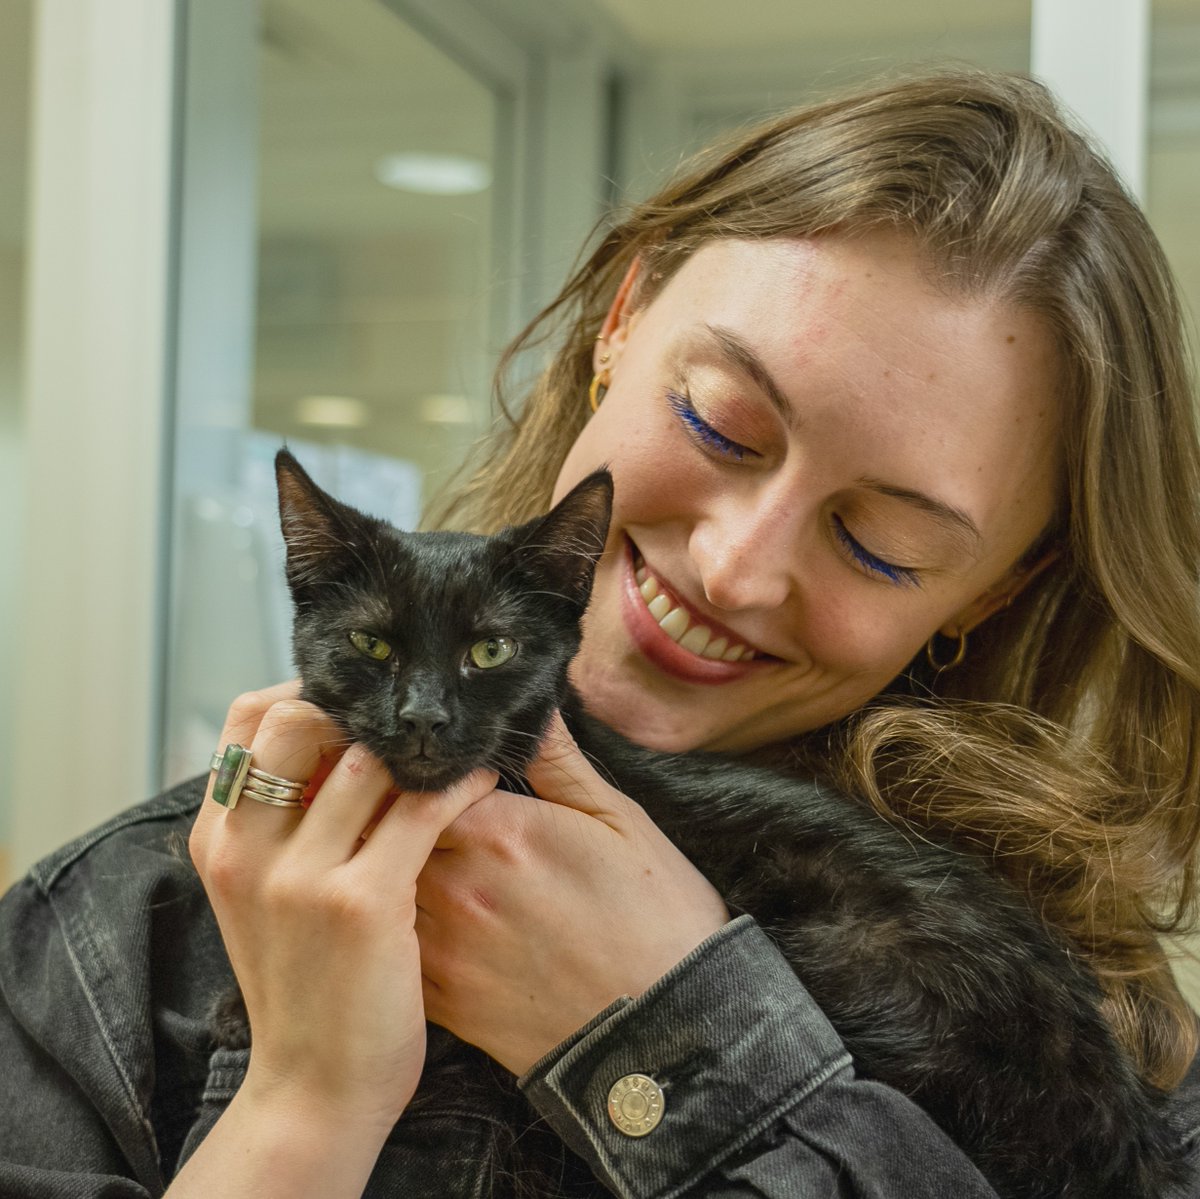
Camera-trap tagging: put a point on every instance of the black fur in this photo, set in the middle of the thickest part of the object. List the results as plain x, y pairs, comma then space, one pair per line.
938, 977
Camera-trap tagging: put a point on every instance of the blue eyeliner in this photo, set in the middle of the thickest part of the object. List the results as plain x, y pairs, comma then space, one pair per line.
701, 430
708, 438
901, 575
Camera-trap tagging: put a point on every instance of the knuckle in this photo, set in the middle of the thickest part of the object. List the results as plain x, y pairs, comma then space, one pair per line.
504, 835
247, 709
360, 763
468, 903
478, 901
350, 909
222, 873
286, 712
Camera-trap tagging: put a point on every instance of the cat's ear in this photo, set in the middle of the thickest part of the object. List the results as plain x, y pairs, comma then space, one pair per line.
317, 529
564, 546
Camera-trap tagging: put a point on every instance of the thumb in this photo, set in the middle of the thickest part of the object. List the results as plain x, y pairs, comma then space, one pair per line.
561, 774
406, 833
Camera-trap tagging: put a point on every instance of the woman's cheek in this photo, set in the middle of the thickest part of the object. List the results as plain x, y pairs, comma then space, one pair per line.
632, 441
850, 633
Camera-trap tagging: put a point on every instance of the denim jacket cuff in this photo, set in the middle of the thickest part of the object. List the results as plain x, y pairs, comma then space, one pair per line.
730, 1036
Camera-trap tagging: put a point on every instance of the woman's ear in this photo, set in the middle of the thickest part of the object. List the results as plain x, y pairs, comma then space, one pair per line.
999, 595
617, 323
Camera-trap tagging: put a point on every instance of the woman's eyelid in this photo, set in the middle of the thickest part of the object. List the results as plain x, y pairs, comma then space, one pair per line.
880, 567
709, 428
703, 430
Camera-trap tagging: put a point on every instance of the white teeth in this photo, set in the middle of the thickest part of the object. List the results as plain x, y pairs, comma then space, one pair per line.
674, 624
659, 606
677, 623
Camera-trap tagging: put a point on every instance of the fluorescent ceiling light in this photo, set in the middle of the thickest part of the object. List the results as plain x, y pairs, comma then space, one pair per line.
446, 410
343, 412
434, 174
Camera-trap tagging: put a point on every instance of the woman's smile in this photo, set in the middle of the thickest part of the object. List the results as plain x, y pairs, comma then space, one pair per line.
676, 637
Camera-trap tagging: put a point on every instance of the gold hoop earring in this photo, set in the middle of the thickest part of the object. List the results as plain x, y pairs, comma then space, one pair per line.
597, 390
959, 654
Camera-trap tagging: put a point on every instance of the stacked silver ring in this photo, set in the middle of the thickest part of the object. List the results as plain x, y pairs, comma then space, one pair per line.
237, 777
270, 788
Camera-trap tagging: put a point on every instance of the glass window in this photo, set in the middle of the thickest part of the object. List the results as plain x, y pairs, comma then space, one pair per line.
374, 249
374, 291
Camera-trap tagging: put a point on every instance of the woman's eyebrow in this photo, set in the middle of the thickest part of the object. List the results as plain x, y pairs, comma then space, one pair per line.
955, 520
743, 356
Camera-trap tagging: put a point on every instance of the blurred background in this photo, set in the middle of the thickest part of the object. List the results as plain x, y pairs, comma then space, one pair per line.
226, 223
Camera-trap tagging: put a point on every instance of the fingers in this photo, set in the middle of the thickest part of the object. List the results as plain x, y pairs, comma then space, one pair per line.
295, 740
344, 808
408, 831
286, 737
246, 714
560, 774
247, 711
289, 743
241, 724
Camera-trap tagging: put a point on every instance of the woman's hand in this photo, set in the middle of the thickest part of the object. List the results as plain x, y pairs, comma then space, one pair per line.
535, 914
319, 922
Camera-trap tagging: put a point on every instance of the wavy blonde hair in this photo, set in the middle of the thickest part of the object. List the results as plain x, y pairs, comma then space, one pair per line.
1065, 747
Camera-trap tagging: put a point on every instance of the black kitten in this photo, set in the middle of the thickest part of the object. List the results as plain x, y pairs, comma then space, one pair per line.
443, 652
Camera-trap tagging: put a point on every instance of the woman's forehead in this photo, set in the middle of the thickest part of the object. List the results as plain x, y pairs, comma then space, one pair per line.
877, 364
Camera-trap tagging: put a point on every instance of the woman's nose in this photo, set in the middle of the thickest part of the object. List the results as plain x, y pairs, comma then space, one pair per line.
745, 555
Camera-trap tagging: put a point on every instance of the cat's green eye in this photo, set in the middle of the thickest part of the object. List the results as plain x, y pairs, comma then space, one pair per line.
371, 647
492, 651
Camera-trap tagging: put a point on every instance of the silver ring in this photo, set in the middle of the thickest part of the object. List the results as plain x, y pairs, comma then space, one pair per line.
275, 780
251, 791
274, 790
236, 777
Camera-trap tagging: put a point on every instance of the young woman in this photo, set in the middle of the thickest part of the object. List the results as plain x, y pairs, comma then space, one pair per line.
894, 395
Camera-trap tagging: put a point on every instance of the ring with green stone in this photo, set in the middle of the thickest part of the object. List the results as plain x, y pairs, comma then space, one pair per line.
231, 766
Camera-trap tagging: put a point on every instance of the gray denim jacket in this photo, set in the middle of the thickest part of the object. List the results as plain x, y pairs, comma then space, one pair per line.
110, 959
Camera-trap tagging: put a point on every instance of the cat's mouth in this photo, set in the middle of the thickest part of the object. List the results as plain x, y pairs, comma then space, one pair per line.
424, 774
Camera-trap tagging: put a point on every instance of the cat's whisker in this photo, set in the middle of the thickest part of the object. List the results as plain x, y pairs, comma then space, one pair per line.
601, 769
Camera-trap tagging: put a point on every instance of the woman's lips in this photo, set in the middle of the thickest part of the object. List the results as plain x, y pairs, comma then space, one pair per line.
661, 649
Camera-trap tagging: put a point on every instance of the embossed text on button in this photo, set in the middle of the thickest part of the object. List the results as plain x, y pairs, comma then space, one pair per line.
635, 1104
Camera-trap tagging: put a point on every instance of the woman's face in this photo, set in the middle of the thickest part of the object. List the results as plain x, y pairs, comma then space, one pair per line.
819, 457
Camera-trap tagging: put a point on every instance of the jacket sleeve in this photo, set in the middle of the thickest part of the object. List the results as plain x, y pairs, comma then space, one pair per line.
759, 1096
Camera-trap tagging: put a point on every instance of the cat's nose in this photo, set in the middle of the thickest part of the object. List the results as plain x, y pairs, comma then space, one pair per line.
424, 720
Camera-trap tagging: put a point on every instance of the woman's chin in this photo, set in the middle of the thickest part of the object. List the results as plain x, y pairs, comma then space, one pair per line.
633, 712
644, 729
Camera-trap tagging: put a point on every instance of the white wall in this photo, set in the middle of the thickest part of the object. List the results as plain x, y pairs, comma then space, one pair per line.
11, 500
96, 316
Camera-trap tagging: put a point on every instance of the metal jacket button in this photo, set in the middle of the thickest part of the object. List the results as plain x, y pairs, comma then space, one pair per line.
635, 1104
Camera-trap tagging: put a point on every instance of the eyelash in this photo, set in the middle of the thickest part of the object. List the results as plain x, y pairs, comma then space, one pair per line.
708, 438
902, 576
702, 432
